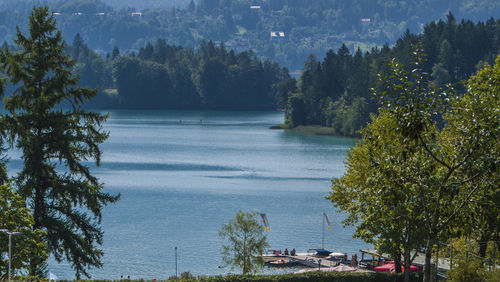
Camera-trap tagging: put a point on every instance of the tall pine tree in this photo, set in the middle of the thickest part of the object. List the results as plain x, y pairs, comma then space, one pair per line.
66, 199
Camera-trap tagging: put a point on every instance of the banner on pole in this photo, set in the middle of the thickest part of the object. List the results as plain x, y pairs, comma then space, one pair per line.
264, 220
327, 221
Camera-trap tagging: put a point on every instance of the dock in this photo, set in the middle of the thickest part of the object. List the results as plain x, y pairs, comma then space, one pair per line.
311, 261
419, 259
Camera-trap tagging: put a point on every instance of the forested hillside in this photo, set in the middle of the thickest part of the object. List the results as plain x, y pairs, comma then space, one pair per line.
284, 30
163, 76
335, 92
117, 4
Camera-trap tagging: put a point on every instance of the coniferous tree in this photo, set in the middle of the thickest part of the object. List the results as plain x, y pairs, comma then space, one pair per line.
191, 6
66, 199
115, 53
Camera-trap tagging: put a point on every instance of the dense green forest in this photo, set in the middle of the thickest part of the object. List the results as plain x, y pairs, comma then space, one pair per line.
336, 92
306, 26
163, 76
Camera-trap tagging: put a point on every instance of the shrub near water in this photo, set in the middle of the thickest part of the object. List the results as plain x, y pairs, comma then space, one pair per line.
318, 276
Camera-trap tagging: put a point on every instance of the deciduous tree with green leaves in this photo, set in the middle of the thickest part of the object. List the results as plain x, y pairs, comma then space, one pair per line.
245, 240
66, 199
411, 180
16, 217
376, 191
477, 114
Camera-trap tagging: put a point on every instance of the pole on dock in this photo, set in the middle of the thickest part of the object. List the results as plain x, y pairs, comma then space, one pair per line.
323, 238
175, 261
10, 251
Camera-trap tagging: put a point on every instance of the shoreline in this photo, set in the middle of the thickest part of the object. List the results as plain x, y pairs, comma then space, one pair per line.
309, 129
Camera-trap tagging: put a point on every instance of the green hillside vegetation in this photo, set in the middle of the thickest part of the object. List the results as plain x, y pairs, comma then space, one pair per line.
117, 4
333, 93
163, 76
336, 92
307, 26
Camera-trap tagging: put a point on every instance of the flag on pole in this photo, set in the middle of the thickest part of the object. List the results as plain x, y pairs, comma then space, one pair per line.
327, 221
264, 220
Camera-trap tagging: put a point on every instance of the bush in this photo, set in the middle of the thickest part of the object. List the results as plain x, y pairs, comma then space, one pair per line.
492, 276
319, 276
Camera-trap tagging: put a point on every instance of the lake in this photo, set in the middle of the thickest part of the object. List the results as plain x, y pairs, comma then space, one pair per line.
183, 174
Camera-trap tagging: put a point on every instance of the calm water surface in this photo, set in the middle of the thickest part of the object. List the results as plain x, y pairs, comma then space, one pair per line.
180, 182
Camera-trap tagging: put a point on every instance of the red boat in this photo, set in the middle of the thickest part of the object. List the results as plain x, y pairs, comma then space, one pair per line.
390, 267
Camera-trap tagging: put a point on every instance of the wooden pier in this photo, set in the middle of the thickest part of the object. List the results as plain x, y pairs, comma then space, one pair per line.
311, 261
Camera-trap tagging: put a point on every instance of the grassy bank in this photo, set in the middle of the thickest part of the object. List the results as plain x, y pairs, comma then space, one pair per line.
314, 130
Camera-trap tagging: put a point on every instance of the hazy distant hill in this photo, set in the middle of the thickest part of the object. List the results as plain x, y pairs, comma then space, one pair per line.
119, 4
147, 4
285, 30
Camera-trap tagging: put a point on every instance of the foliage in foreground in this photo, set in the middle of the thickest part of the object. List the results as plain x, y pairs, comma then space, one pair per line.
469, 265
315, 276
16, 217
413, 183
319, 276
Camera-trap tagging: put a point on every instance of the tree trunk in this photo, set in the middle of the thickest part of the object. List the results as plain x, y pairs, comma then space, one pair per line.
38, 203
397, 262
483, 244
37, 216
427, 265
407, 264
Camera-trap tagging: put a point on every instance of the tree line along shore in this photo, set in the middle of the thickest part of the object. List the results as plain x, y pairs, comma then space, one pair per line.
335, 92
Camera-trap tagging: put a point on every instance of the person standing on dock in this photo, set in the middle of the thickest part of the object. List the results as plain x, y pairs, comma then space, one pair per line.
354, 260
